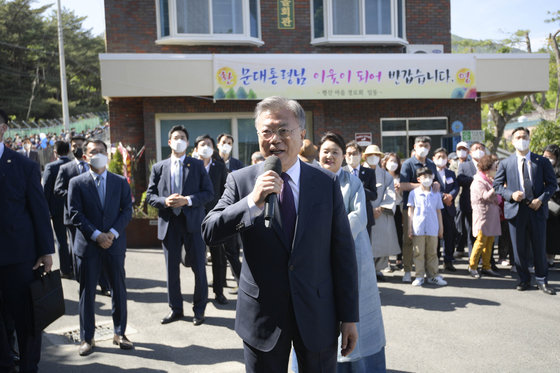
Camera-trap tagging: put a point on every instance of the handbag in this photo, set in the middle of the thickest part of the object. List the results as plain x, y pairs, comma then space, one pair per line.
47, 298
553, 207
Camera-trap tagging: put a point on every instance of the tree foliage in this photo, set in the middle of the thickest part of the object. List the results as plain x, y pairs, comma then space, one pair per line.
546, 133
29, 67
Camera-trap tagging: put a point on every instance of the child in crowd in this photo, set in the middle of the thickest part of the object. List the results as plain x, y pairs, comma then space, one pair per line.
425, 227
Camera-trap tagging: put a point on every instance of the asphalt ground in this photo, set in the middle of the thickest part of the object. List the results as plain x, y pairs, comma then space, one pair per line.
470, 325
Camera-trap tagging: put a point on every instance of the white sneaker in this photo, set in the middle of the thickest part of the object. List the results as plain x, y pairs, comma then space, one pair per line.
504, 263
438, 280
407, 277
418, 281
474, 273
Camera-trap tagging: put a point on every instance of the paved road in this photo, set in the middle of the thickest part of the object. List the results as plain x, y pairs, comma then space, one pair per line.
471, 325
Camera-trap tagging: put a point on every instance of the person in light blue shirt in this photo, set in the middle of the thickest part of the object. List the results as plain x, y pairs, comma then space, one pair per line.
425, 226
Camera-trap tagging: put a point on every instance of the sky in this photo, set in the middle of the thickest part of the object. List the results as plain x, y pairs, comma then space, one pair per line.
473, 19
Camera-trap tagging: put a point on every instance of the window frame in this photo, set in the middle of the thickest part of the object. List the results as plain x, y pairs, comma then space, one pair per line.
412, 133
330, 38
175, 38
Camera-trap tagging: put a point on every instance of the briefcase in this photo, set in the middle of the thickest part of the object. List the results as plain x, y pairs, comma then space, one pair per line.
553, 207
47, 298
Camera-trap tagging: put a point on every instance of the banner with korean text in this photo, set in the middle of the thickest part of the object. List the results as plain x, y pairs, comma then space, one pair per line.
344, 76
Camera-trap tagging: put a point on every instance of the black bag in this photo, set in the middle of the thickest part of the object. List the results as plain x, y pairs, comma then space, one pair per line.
47, 298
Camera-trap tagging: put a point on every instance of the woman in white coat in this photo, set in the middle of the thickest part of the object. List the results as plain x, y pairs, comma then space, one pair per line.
383, 238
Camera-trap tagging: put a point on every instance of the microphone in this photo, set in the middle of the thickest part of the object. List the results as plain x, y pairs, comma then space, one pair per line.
272, 163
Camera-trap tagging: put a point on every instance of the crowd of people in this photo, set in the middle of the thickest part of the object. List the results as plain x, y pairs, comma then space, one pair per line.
318, 227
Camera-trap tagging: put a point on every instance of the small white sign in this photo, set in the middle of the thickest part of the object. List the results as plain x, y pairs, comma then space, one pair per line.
363, 138
471, 136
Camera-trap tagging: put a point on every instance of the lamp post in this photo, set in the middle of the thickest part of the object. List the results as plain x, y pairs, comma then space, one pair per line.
63, 89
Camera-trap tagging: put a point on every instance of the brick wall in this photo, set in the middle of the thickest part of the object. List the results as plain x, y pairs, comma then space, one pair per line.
131, 27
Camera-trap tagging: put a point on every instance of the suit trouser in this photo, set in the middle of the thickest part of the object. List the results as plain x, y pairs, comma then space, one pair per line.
90, 268
103, 277
482, 247
64, 253
276, 360
528, 235
407, 243
177, 236
14, 281
425, 256
449, 234
465, 237
218, 268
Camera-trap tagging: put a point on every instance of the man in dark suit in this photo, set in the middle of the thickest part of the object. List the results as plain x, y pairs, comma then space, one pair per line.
465, 175
100, 209
449, 190
225, 146
526, 181
299, 278
26, 242
180, 187
367, 176
28, 151
66, 172
56, 207
204, 146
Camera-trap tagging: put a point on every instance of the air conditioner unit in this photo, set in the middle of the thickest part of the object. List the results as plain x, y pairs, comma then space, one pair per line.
424, 48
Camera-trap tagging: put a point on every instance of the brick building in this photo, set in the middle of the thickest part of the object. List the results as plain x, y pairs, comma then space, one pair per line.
163, 62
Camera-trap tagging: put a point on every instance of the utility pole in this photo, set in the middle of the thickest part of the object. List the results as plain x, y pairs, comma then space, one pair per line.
63, 89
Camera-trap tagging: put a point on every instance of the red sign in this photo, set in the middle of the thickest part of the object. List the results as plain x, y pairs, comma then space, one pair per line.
363, 138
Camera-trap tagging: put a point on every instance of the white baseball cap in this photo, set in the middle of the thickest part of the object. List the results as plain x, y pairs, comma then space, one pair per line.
462, 144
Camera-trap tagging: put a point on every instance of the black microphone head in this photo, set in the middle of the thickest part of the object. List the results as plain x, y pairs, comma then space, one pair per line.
273, 163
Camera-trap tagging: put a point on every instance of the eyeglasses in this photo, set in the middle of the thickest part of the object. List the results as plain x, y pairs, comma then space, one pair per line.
283, 133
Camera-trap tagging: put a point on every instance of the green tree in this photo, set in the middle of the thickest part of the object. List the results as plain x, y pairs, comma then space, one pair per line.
546, 133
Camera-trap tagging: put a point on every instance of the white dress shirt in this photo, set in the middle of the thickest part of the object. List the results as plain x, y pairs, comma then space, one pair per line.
1, 149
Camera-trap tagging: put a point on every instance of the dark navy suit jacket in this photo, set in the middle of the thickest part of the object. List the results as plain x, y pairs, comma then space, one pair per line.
33, 154
507, 181
88, 215
450, 188
65, 173
56, 203
316, 275
196, 184
369, 182
25, 232
465, 175
218, 176
234, 164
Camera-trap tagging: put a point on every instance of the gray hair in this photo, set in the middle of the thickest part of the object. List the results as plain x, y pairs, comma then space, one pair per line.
277, 103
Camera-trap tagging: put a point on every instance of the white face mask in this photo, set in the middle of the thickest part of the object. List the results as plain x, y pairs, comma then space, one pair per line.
552, 161
422, 151
478, 153
98, 161
372, 160
225, 148
392, 166
441, 162
521, 144
205, 152
178, 145
462, 153
27, 147
353, 160
427, 181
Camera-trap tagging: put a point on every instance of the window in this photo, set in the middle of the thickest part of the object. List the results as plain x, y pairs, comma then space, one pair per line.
197, 22
358, 22
398, 134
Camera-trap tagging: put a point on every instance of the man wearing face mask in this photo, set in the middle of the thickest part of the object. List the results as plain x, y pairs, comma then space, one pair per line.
28, 150
180, 187
100, 209
409, 181
465, 175
526, 181
225, 146
366, 175
204, 146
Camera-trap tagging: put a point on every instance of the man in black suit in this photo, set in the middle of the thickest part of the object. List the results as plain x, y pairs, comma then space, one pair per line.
66, 172
204, 146
299, 275
180, 187
526, 181
26, 242
449, 190
225, 146
28, 150
56, 207
367, 176
100, 208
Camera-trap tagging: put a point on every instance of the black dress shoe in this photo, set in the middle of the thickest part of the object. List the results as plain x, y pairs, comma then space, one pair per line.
105, 292
172, 316
86, 348
380, 277
523, 285
490, 272
123, 342
220, 299
546, 289
450, 267
198, 319
494, 268
68, 276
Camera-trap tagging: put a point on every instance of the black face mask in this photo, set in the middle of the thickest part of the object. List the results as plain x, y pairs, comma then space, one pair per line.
78, 153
